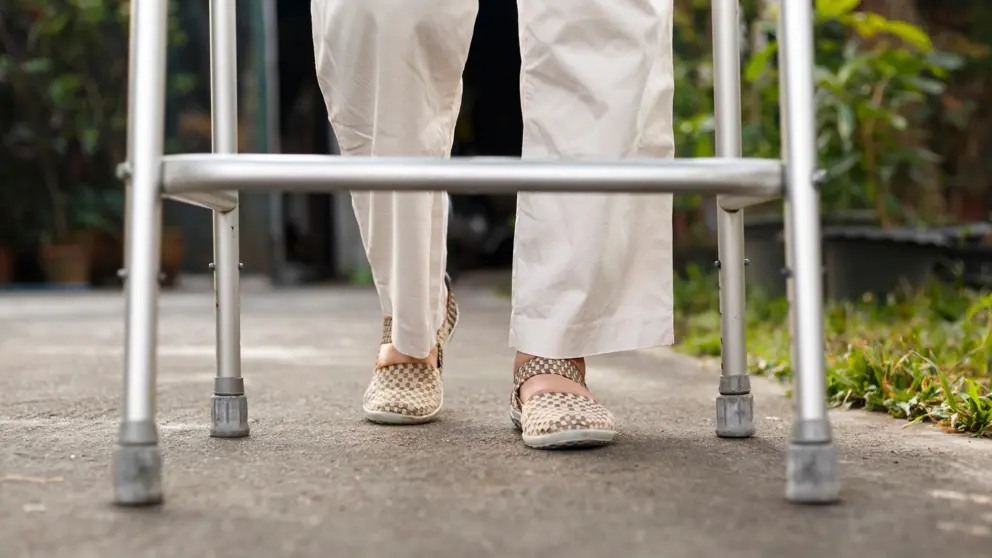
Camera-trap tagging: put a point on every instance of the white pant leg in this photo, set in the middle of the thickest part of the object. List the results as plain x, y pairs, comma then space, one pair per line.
390, 72
593, 273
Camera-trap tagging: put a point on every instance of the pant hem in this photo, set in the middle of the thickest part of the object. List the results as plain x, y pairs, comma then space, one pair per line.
548, 339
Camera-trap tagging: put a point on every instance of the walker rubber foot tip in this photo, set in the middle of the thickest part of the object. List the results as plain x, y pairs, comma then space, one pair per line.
735, 416
138, 475
229, 416
812, 474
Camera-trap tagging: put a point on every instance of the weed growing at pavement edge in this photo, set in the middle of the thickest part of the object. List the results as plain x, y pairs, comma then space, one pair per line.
923, 355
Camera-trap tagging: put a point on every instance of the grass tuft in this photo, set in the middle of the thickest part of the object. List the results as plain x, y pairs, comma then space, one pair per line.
922, 355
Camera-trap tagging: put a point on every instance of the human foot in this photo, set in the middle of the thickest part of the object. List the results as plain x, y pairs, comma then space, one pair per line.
405, 389
390, 355
553, 407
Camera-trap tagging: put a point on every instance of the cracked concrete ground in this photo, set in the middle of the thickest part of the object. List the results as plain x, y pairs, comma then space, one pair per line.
314, 479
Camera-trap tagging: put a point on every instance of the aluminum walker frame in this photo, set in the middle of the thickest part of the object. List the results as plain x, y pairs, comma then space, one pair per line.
213, 180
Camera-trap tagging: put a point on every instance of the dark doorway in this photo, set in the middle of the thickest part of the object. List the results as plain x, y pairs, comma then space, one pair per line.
481, 227
307, 234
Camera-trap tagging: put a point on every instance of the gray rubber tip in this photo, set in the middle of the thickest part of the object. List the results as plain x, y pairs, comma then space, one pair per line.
138, 475
229, 416
812, 474
735, 416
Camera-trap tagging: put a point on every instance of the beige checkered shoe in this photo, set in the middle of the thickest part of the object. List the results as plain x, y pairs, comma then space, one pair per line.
409, 393
559, 420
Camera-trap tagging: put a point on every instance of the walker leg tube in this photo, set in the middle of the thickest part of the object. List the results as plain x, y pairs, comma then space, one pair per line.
137, 462
735, 404
229, 406
811, 460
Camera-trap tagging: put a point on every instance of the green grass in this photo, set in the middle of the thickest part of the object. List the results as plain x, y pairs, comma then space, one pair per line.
921, 355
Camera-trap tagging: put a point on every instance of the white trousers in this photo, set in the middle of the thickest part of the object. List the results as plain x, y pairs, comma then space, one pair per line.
592, 273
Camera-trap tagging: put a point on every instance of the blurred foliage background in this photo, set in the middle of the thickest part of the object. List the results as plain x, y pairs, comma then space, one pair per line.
903, 122
902, 108
903, 112
63, 86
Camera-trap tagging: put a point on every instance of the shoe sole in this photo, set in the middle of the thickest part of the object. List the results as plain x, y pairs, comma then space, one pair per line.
385, 417
570, 439
566, 439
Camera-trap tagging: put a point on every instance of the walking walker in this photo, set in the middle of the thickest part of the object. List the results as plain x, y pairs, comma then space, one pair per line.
213, 181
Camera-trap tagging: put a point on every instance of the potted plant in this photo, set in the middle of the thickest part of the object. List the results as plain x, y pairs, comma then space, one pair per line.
62, 69
694, 137
65, 68
7, 259
874, 79
62, 254
172, 254
11, 228
693, 227
97, 219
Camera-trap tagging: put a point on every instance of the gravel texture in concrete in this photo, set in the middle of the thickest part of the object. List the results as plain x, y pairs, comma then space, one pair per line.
315, 479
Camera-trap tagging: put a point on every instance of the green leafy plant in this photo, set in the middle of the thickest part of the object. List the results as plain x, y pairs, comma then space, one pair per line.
64, 66
921, 355
983, 309
874, 81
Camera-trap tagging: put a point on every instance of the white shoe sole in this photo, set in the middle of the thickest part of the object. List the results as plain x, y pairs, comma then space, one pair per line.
385, 417
566, 438
570, 439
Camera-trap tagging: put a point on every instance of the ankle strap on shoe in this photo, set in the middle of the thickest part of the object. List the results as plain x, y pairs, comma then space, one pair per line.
538, 366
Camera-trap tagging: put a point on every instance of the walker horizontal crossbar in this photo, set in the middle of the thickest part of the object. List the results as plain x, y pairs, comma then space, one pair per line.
186, 174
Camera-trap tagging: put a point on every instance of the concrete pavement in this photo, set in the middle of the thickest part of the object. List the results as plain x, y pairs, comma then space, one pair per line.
315, 479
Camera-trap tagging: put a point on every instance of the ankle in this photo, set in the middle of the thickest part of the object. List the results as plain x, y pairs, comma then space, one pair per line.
389, 355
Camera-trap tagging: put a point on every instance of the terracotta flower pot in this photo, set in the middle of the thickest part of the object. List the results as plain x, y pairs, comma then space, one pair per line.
6, 265
172, 255
104, 254
65, 264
